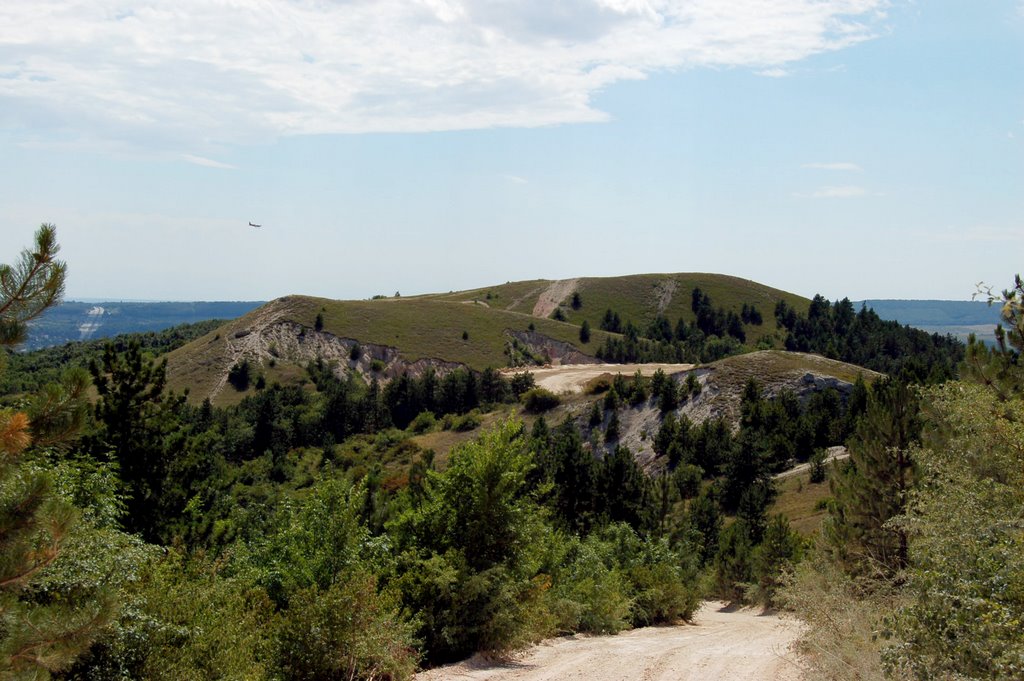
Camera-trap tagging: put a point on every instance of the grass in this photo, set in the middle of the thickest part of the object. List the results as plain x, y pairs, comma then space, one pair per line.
465, 327
430, 328
768, 366
516, 296
798, 499
637, 297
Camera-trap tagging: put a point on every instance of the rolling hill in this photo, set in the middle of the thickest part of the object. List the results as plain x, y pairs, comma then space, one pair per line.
495, 326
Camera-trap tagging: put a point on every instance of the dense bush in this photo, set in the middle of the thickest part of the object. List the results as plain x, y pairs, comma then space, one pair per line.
539, 400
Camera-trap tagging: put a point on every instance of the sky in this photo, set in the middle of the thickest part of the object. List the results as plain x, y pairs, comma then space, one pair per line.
858, 148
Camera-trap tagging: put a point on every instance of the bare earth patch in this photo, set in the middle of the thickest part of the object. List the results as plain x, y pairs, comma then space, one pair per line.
553, 296
571, 378
723, 643
665, 290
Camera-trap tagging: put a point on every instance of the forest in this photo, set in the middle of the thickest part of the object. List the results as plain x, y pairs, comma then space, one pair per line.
303, 534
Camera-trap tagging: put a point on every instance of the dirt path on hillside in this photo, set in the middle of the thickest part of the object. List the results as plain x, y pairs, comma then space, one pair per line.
837, 453
553, 295
572, 378
722, 643
666, 290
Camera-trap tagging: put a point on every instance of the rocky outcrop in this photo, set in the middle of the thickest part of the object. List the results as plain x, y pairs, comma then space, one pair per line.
285, 341
558, 352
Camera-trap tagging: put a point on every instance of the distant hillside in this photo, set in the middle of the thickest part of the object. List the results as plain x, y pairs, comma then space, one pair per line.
76, 321
508, 324
30, 371
956, 317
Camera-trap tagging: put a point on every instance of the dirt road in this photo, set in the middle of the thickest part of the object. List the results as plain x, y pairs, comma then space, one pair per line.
573, 377
725, 644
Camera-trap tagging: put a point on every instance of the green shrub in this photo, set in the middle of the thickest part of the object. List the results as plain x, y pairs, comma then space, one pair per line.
240, 375
348, 631
184, 619
817, 465
476, 591
423, 423
540, 400
377, 366
588, 594
466, 422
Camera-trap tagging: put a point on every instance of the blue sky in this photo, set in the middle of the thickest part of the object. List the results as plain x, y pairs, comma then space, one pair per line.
855, 148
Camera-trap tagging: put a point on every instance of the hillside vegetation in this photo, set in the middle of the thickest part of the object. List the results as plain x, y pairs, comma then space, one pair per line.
489, 327
310, 531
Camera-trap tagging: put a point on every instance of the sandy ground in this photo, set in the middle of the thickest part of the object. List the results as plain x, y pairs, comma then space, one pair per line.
571, 378
733, 645
553, 296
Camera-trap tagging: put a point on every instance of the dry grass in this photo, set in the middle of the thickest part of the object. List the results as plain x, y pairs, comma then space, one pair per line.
843, 639
798, 500
770, 366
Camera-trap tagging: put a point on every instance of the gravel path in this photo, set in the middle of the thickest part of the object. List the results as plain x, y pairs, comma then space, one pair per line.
723, 643
572, 378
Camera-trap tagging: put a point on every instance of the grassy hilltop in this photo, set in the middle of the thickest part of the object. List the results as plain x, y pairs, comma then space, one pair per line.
472, 328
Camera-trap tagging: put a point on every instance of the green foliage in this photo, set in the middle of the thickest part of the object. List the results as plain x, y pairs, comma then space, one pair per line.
950, 521
780, 549
589, 594
474, 589
733, 567
30, 371
818, 469
346, 630
585, 332
1000, 367
240, 375
423, 423
538, 400
838, 331
45, 620
134, 417
29, 287
186, 618
966, 575
872, 487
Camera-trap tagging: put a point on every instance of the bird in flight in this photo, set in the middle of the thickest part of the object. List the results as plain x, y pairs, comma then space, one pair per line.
255, 225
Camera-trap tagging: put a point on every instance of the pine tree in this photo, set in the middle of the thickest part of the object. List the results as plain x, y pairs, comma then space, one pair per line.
872, 488
134, 416
585, 332
31, 286
38, 635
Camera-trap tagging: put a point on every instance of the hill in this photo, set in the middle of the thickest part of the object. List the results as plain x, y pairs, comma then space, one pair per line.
639, 298
506, 325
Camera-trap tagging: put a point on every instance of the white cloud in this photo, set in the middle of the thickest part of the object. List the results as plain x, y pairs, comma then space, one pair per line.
196, 73
773, 73
516, 179
840, 192
207, 162
852, 167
